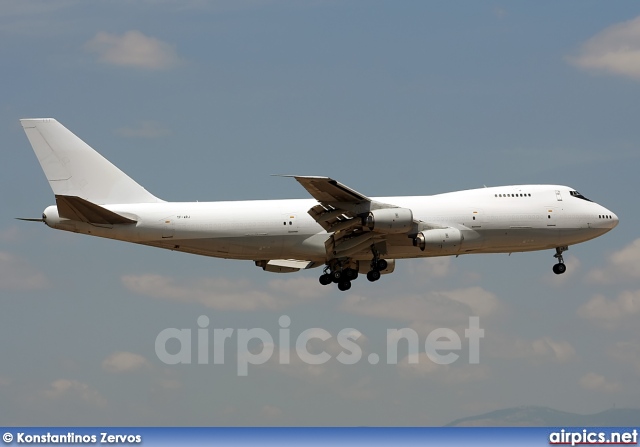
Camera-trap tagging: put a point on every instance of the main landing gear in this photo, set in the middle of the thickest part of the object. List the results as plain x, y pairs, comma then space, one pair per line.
377, 265
340, 276
560, 268
337, 273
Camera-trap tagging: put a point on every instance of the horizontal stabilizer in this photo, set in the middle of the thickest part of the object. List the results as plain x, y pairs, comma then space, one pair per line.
75, 208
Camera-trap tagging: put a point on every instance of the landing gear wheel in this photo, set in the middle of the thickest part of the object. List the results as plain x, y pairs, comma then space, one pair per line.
344, 285
559, 269
350, 274
373, 275
382, 264
336, 276
326, 279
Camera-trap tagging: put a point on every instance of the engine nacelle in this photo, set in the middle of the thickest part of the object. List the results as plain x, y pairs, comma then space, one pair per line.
389, 220
445, 239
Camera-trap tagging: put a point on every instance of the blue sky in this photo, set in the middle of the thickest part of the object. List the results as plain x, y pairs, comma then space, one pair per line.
201, 100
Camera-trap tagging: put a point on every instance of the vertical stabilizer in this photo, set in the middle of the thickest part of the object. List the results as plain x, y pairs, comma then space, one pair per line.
73, 168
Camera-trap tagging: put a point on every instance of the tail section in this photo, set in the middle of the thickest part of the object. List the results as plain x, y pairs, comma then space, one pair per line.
75, 208
74, 169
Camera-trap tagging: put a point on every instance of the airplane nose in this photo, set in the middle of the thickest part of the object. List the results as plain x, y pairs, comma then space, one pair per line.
614, 220
610, 221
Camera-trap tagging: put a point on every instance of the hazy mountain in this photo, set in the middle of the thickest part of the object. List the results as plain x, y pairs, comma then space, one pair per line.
548, 417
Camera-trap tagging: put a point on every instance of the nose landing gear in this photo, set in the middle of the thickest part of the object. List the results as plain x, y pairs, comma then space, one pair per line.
560, 268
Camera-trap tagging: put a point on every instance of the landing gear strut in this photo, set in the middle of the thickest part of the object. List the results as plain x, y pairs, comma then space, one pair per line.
377, 265
560, 268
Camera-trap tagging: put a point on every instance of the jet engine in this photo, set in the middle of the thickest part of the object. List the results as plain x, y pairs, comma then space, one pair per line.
440, 239
389, 220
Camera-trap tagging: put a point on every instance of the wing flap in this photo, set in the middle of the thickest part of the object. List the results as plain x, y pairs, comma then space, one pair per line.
291, 263
284, 265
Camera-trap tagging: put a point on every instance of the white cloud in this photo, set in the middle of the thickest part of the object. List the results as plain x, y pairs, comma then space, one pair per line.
145, 129
133, 49
305, 288
538, 350
595, 382
224, 294
436, 267
166, 381
436, 307
421, 367
481, 302
621, 265
17, 274
73, 389
301, 367
344, 380
610, 313
546, 347
120, 361
614, 50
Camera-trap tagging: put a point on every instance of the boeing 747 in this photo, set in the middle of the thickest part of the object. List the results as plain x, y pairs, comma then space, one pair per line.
338, 229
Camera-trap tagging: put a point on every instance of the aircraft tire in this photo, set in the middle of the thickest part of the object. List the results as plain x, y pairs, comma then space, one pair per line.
326, 279
559, 269
373, 275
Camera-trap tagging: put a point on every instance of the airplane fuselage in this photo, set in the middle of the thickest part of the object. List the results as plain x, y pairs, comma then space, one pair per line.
491, 220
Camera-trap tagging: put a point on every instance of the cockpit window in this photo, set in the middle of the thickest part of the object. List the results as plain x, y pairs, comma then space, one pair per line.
578, 195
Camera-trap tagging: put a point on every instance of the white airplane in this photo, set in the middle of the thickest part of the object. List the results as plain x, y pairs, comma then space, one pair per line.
340, 229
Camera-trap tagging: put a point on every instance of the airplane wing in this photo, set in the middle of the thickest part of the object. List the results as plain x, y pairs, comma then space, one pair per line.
338, 202
343, 211
325, 189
